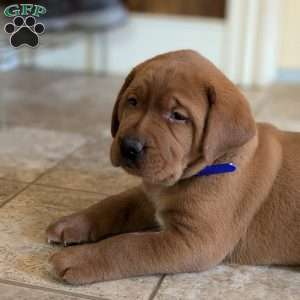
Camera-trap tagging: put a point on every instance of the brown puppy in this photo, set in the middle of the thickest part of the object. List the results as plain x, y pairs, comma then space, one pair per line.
175, 114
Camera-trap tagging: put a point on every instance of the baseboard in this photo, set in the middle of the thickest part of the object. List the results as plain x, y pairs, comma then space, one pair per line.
288, 75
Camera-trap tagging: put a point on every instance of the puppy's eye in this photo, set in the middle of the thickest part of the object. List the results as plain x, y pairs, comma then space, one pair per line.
132, 101
176, 116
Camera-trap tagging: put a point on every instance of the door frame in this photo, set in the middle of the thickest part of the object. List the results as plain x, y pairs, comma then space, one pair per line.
251, 41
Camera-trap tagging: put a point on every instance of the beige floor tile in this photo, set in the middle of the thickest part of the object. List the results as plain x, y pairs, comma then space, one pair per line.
283, 106
28, 80
72, 103
8, 189
90, 169
282, 112
255, 97
25, 153
284, 91
12, 292
234, 283
24, 252
56, 114
281, 123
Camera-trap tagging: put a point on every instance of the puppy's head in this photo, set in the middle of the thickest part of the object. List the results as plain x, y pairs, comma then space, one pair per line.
175, 114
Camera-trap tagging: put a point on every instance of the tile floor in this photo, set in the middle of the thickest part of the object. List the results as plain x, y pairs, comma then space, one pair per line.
54, 133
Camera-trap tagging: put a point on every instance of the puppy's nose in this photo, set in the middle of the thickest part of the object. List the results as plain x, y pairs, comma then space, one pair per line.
132, 148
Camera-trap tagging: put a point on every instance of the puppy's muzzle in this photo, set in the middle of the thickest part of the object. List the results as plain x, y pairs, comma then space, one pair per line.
132, 150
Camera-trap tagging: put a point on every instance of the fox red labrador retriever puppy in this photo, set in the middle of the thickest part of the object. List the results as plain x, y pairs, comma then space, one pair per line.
175, 115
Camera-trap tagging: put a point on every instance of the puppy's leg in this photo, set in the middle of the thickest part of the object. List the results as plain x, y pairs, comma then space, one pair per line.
126, 212
131, 254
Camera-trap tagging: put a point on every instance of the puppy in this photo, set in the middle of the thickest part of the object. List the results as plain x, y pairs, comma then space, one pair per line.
175, 115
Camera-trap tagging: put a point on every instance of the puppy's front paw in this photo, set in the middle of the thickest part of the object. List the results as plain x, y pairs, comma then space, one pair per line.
76, 266
74, 229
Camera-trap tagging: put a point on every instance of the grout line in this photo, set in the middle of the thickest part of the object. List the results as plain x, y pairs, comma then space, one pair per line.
70, 189
47, 289
157, 287
8, 124
14, 195
55, 186
57, 164
39, 176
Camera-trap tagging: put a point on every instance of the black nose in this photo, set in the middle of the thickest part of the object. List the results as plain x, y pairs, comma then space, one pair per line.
131, 149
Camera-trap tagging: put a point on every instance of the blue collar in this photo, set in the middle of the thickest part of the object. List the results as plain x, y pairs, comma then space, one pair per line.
216, 169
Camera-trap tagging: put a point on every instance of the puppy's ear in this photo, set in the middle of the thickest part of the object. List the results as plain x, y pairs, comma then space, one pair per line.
115, 122
229, 122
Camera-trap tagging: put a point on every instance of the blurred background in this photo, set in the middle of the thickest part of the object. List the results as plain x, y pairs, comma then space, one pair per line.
89, 46
254, 42
70, 80
55, 109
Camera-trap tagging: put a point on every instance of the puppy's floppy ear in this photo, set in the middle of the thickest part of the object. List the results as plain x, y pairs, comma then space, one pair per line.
229, 122
115, 122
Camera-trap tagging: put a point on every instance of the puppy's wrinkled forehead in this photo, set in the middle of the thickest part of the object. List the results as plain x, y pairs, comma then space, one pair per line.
164, 79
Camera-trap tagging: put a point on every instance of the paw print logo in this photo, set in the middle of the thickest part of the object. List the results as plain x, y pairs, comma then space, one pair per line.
24, 31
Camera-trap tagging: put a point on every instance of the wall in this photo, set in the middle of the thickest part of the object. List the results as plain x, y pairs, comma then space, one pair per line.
289, 52
143, 36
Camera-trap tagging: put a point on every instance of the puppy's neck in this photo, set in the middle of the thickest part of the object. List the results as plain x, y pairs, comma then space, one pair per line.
241, 157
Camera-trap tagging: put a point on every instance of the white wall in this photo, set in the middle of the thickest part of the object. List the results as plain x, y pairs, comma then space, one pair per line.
143, 36
289, 54
244, 45
149, 35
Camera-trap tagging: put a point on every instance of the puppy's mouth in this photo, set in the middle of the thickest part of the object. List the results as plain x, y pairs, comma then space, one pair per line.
131, 166
148, 175
144, 162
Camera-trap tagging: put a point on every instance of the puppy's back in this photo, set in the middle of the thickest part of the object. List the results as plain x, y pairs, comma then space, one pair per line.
280, 213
